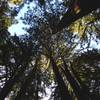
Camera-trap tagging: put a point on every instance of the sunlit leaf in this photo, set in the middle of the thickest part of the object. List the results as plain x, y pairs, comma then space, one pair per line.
16, 2
8, 22
80, 25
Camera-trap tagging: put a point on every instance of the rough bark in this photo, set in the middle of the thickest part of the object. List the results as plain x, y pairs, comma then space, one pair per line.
62, 87
76, 87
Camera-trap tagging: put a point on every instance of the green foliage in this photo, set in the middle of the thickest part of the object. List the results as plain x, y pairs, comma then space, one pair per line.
87, 69
62, 62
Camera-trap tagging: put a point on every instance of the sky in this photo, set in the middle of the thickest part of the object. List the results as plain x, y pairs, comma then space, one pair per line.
17, 28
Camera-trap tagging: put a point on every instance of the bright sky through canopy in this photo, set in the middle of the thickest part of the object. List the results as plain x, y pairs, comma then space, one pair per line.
35, 53
18, 27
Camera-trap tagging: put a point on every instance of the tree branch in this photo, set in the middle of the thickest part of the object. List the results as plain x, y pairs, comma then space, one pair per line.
70, 17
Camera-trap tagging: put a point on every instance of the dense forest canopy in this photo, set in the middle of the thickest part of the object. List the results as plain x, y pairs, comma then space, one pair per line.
60, 53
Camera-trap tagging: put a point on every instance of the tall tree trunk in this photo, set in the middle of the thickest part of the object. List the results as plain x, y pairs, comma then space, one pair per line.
87, 7
85, 89
76, 87
62, 87
37, 87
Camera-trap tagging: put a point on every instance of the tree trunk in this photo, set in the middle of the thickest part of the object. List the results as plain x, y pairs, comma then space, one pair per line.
87, 7
76, 87
62, 87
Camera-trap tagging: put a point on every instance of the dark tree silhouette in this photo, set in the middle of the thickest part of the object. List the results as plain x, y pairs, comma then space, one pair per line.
65, 63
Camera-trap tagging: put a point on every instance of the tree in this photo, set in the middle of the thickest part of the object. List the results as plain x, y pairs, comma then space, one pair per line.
88, 70
85, 9
31, 63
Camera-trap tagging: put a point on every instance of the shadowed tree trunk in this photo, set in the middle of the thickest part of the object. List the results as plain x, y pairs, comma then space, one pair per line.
85, 89
86, 7
76, 87
62, 87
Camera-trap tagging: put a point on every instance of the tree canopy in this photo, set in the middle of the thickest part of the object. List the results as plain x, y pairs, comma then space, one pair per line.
59, 58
